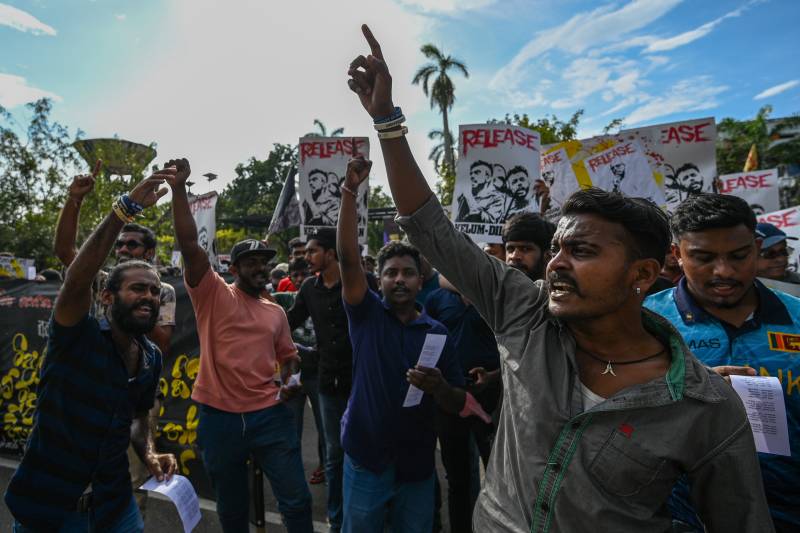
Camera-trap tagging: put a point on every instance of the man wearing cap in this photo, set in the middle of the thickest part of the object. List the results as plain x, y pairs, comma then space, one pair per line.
773, 260
732, 322
242, 336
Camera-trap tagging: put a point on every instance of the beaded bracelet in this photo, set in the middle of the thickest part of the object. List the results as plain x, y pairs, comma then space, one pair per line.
132, 207
120, 211
397, 113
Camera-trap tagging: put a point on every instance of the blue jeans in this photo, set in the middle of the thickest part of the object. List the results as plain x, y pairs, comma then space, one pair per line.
369, 497
332, 407
129, 522
227, 440
298, 407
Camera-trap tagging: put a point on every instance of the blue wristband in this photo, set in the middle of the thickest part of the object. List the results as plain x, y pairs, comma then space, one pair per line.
132, 207
397, 113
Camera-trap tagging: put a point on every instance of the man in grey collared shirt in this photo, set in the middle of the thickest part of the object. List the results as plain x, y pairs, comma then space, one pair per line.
604, 405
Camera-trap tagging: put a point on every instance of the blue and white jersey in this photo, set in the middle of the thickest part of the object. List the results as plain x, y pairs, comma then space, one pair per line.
768, 341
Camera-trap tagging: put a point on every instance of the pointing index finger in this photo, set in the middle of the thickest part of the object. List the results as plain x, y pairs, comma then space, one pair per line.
374, 47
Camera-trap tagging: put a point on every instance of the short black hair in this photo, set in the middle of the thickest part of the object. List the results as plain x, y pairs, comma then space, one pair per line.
398, 249
518, 168
529, 227
148, 237
326, 237
51, 275
645, 222
117, 274
479, 163
297, 241
705, 211
298, 265
686, 167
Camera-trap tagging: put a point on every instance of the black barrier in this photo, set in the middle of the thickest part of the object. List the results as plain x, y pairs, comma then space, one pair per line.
25, 309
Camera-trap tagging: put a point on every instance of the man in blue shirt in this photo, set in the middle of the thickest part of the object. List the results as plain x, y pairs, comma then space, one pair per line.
97, 384
389, 461
731, 321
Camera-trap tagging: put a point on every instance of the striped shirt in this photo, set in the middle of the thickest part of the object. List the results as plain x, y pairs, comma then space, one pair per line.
81, 431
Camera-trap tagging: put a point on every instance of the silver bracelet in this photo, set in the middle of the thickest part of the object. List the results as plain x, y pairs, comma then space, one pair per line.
394, 134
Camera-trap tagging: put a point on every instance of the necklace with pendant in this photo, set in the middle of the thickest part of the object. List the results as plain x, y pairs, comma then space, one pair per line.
609, 363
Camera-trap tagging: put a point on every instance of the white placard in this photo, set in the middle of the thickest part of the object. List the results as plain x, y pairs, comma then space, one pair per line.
179, 489
763, 400
204, 211
624, 168
498, 166
758, 188
787, 220
428, 357
321, 172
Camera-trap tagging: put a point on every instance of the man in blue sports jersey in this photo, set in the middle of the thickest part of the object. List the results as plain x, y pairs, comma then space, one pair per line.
731, 321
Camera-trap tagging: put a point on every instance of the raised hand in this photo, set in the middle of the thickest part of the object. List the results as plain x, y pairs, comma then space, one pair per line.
175, 172
83, 184
357, 171
370, 79
148, 191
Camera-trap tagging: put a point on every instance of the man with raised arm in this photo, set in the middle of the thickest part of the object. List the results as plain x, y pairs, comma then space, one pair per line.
242, 336
604, 406
98, 382
389, 447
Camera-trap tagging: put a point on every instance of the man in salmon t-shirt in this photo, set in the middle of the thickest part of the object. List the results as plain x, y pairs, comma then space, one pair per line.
242, 335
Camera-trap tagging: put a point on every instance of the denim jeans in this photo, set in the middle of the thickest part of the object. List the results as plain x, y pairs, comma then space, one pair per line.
371, 500
227, 440
129, 522
332, 407
298, 407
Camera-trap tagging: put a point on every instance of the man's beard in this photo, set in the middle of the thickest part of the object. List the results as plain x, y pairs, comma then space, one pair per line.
537, 272
123, 316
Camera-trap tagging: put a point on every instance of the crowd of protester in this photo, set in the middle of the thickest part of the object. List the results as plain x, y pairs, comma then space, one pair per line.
579, 382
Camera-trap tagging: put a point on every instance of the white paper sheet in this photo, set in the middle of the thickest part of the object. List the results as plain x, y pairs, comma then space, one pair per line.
428, 357
763, 400
294, 379
179, 489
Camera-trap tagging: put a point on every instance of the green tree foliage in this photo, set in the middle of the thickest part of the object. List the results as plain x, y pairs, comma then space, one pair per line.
322, 131
442, 92
735, 137
255, 191
377, 198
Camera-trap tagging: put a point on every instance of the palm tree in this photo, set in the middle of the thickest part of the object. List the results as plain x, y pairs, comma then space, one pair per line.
323, 131
442, 91
438, 150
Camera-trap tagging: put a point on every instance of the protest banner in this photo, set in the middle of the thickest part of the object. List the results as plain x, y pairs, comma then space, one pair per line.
787, 220
17, 267
623, 168
497, 168
759, 188
204, 211
681, 154
559, 179
323, 162
25, 309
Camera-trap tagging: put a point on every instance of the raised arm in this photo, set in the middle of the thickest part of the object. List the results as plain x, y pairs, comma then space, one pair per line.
67, 225
354, 282
195, 259
74, 299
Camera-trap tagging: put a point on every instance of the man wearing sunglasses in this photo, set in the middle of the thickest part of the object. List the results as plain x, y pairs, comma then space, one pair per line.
773, 260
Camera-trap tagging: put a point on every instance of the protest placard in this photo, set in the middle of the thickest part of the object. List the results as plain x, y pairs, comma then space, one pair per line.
204, 211
497, 168
787, 220
623, 168
322, 166
759, 188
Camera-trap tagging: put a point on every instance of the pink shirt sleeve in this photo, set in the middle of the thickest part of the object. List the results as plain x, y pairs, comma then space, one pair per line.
206, 289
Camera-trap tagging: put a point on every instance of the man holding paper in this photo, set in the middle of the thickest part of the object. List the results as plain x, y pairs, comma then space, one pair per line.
388, 427
597, 392
733, 322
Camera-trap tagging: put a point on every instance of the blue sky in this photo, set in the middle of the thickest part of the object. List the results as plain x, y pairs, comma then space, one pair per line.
219, 82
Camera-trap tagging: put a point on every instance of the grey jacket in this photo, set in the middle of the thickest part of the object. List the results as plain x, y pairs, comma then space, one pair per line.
611, 468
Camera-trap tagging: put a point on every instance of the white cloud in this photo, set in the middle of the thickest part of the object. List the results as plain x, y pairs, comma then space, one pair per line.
662, 45
23, 21
229, 80
581, 32
447, 6
777, 89
120, 16
15, 91
692, 94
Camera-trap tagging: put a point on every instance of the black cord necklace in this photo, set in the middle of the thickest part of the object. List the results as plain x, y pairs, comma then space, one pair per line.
610, 369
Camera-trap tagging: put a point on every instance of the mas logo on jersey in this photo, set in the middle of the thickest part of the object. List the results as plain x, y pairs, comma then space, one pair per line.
783, 342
